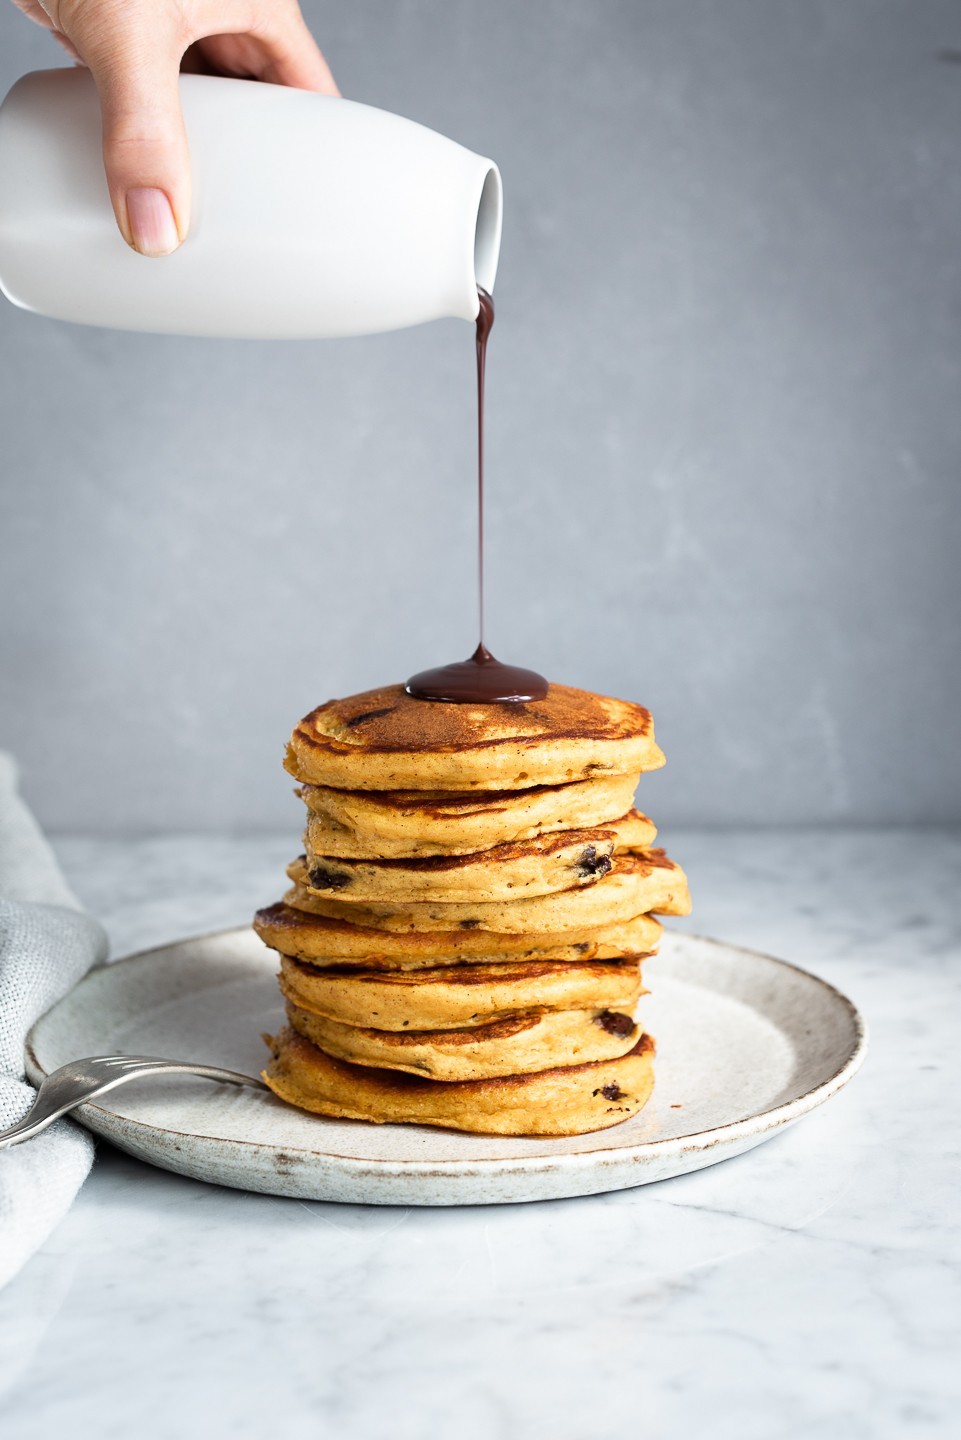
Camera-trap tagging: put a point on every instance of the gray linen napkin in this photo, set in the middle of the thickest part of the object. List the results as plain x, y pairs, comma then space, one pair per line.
46, 945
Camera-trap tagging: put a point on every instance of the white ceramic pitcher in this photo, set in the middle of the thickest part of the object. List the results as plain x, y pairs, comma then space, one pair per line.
311, 216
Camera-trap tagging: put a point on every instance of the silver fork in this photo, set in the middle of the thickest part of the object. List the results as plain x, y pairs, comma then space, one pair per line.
82, 1080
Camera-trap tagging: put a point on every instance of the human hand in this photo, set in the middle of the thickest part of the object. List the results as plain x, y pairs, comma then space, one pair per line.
135, 50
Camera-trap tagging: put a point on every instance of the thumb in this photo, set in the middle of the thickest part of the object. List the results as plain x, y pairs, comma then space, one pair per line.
145, 150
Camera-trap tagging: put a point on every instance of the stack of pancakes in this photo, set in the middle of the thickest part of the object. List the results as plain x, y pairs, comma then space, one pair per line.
463, 939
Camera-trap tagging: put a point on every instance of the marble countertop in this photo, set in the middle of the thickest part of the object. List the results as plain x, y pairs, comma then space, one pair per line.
811, 1288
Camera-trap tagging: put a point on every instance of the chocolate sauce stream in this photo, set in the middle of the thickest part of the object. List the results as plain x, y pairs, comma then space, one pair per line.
485, 324
481, 679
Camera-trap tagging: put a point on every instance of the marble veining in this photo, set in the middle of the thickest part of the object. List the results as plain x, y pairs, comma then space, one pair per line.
811, 1288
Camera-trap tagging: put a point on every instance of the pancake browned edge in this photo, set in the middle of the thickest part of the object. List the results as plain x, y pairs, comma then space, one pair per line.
569, 1101
514, 1045
384, 739
395, 823
556, 861
637, 884
459, 995
322, 940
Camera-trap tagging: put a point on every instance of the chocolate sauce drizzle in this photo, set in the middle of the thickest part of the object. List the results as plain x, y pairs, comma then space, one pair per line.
481, 679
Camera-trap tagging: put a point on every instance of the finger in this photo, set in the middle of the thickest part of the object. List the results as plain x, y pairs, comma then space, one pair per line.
245, 56
145, 151
35, 11
268, 42
296, 59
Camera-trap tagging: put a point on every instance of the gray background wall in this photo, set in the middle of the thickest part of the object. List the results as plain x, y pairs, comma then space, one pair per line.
724, 435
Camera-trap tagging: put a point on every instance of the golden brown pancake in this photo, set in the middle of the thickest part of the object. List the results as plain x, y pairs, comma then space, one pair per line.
515, 1045
557, 861
395, 823
386, 740
635, 885
293, 928
449, 996
569, 1101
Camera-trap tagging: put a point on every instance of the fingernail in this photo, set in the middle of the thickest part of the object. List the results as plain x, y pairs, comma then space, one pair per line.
151, 221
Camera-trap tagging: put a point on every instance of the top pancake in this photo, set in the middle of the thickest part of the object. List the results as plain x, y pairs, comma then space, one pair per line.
386, 740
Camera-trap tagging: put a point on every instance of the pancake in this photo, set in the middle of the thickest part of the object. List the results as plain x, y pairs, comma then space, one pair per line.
448, 996
570, 1101
292, 928
516, 1045
386, 740
396, 823
635, 885
557, 861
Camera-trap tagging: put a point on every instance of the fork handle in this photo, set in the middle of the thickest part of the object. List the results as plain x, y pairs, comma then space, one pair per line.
64, 1089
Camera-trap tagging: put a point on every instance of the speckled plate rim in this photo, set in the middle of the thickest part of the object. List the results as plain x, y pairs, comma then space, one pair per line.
562, 1171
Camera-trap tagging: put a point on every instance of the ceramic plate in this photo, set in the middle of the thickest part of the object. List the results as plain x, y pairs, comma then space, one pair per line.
746, 1045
